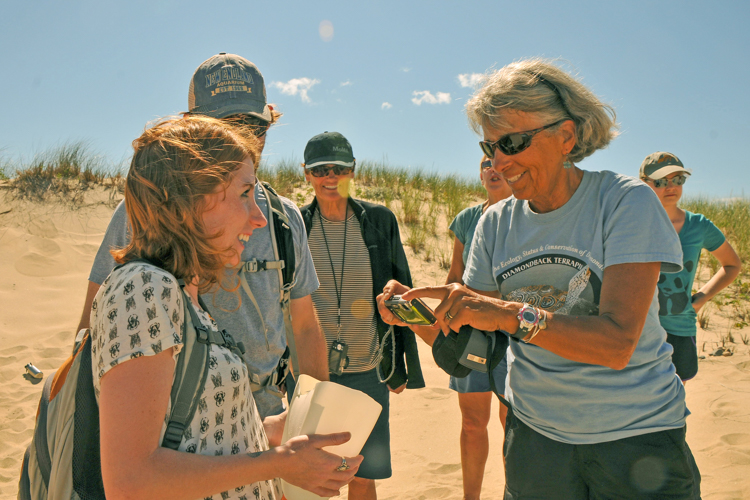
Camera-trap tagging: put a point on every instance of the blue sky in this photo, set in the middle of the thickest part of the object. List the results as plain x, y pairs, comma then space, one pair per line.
675, 71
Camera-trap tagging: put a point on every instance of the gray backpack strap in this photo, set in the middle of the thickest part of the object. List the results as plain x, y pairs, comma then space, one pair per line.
191, 373
40, 437
24, 485
191, 370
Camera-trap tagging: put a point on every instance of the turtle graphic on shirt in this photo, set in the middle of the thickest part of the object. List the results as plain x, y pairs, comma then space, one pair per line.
569, 286
575, 287
553, 299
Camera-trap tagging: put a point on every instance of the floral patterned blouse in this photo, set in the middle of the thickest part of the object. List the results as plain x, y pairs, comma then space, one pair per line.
139, 312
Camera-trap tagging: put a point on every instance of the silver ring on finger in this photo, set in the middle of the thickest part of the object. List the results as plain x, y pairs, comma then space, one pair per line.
344, 466
448, 316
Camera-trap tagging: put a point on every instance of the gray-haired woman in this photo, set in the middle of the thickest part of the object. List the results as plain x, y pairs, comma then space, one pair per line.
569, 266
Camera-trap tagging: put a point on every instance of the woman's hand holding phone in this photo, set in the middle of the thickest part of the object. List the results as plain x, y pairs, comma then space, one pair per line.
393, 287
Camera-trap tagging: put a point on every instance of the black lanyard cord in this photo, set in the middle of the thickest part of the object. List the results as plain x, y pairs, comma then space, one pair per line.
339, 292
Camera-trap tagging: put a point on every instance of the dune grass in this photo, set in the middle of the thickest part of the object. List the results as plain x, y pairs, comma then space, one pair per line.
732, 216
418, 198
285, 176
65, 172
424, 203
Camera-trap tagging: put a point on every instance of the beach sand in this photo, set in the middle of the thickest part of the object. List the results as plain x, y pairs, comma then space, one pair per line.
46, 251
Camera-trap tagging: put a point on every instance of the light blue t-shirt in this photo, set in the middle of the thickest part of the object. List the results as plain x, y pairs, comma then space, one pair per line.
556, 261
676, 311
464, 225
263, 351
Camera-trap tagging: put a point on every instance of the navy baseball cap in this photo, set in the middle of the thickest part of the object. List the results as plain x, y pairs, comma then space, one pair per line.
225, 85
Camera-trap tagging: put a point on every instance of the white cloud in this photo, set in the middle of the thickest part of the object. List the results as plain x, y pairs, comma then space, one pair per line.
346, 83
471, 79
425, 96
297, 86
386, 105
405, 69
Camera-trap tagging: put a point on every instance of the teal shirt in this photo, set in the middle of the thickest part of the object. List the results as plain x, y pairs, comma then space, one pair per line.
676, 312
464, 225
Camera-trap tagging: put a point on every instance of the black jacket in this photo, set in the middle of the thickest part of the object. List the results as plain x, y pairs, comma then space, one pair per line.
388, 261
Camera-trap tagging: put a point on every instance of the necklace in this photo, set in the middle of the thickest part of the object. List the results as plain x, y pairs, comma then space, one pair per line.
339, 291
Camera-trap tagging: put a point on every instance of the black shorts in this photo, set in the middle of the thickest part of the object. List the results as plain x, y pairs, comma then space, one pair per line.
685, 355
658, 465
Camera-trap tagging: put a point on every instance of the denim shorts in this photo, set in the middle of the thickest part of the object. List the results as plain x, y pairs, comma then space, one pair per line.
377, 449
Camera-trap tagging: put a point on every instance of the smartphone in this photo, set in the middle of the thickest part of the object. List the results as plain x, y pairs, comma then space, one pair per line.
414, 312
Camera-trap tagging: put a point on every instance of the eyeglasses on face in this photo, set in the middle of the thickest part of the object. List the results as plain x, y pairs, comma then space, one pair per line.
512, 144
259, 126
486, 164
324, 170
677, 180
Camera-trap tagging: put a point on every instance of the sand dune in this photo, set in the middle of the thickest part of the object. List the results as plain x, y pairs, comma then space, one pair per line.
46, 252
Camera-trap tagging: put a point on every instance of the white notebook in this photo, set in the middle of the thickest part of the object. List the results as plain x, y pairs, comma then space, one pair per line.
325, 408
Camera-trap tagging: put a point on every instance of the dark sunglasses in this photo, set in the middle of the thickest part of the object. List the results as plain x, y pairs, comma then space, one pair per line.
512, 144
324, 170
486, 164
259, 126
677, 180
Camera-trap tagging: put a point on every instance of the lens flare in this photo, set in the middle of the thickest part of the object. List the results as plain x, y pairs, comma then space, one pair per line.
345, 187
649, 474
361, 309
325, 29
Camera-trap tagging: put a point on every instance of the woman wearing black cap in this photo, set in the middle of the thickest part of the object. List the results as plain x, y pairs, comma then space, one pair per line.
356, 247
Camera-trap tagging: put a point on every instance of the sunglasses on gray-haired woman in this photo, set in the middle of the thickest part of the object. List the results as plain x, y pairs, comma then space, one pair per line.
512, 144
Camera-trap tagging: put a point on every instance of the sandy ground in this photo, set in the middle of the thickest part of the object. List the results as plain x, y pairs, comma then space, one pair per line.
46, 251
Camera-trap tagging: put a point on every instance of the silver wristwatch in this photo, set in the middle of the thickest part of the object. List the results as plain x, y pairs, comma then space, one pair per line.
528, 319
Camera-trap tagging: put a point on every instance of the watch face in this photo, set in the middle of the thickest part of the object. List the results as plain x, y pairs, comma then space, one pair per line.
529, 316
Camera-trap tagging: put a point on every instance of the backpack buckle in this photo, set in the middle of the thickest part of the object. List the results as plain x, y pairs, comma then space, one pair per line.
236, 347
253, 266
286, 292
173, 434
202, 334
240, 348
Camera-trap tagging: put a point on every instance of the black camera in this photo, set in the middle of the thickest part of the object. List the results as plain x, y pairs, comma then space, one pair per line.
337, 358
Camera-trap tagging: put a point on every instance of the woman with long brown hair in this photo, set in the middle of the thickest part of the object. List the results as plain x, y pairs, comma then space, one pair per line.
189, 198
